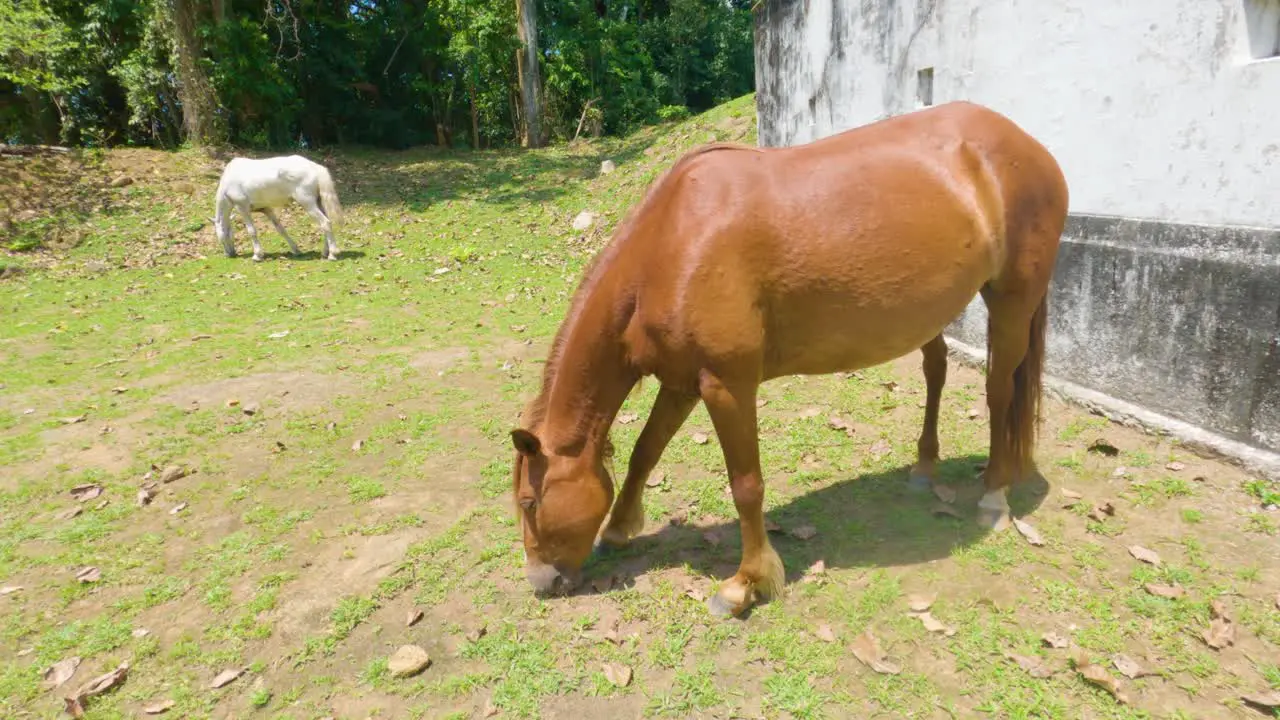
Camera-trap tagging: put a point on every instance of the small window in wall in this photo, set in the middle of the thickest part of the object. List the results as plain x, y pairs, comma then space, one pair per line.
924, 85
1262, 20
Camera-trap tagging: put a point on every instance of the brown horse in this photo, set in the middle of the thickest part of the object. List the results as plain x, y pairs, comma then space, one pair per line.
744, 264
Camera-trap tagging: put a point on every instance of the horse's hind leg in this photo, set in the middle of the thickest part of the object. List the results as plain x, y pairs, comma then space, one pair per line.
247, 215
326, 227
669, 412
293, 247
1015, 352
935, 377
760, 572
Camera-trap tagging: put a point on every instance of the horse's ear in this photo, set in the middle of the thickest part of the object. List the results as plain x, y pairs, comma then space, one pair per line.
525, 442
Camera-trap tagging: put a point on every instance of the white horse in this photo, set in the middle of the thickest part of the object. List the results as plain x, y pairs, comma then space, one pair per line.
270, 183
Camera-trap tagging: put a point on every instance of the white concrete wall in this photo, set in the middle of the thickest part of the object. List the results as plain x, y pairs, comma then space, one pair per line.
1156, 109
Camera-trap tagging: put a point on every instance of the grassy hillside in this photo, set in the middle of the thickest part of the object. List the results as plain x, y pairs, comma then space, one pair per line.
345, 428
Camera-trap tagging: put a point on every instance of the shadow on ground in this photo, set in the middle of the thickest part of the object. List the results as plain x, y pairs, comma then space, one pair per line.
867, 521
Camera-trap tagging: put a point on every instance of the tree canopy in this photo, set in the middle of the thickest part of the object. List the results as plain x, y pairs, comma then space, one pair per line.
386, 73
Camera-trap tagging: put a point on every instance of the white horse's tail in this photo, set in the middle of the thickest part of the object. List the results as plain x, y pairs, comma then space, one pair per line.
329, 197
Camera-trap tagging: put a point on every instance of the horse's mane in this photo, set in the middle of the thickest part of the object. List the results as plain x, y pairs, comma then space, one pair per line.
536, 410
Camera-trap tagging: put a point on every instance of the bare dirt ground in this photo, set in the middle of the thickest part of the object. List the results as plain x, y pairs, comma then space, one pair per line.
342, 432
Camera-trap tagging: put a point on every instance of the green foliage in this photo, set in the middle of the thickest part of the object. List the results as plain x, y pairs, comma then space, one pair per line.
390, 73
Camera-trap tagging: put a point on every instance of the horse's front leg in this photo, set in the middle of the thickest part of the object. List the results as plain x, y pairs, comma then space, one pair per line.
669, 412
923, 472
293, 247
760, 573
247, 216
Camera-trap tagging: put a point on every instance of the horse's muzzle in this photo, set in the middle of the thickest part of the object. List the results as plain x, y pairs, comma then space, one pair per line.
548, 580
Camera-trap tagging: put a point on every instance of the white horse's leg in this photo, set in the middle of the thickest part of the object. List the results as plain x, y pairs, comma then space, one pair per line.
330, 244
247, 215
280, 229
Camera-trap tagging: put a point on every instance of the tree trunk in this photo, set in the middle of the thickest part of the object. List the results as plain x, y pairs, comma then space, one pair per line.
475, 113
527, 68
194, 88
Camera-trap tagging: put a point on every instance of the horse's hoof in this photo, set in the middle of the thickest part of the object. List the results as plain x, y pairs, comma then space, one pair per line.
721, 607
917, 482
993, 519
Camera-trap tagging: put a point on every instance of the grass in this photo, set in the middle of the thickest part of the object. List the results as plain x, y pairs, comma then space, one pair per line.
372, 483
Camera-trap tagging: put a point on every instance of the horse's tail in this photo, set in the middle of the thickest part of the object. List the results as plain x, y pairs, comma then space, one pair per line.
1024, 408
329, 196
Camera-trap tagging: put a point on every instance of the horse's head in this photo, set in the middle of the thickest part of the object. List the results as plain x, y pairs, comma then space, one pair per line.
563, 500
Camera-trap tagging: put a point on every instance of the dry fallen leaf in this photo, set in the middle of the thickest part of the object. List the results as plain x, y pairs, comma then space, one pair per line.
1221, 632
10, 589
96, 686
225, 678
771, 526
712, 537
355, 446
627, 418
1036, 667
920, 602
804, 532
1264, 700
173, 472
1101, 511
701, 438
146, 494
1071, 494
617, 674
934, 625
73, 420
1054, 640
824, 633
86, 492
944, 509
815, 572
1103, 679
1129, 667
89, 575
1103, 447
70, 513
413, 617
1144, 555
655, 479
1165, 591
489, 708
476, 634
1028, 532
60, 672
945, 493
177, 508
838, 423
867, 649
1176, 466
159, 708
879, 449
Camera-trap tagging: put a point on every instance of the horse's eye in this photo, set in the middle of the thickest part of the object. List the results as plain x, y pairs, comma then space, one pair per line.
528, 503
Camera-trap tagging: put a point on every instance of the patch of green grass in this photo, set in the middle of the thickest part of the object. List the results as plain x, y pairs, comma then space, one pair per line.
693, 691
525, 669
362, 489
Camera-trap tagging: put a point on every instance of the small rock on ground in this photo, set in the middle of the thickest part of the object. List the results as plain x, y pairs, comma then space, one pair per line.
408, 660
